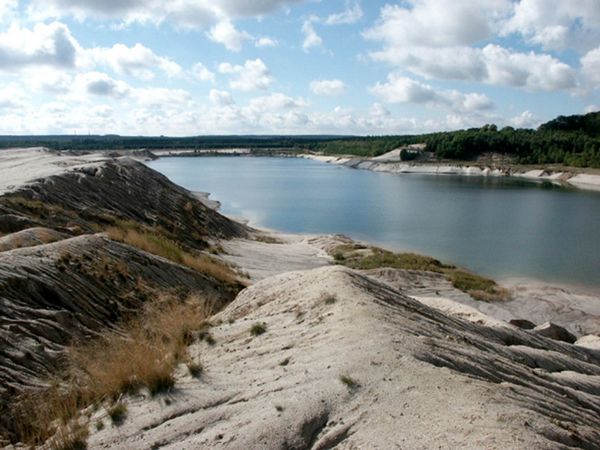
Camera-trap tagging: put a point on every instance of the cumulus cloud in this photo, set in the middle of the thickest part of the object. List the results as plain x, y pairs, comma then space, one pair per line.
352, 14
266, 42
158, 97
221, 98
225, 33
253, 75
491, 64
590, 67
201, 73
525, 120
186, 13
45, 45
311, 38
438, 23
7, 10
275, 101
436, 39
399, 89
328, 87
556, 24
138, 61
97, 83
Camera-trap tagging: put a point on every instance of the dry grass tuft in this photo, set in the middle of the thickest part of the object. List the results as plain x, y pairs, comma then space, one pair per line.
142, 353
152, 241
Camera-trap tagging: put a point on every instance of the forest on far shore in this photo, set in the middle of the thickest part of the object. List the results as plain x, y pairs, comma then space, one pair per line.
569, 140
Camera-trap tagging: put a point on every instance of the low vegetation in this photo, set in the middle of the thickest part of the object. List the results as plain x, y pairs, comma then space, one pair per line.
350, 382
140, 354
258, 328
360, 257
117, 413
155, 242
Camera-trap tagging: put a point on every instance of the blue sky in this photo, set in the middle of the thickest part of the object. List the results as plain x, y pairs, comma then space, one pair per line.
190, 67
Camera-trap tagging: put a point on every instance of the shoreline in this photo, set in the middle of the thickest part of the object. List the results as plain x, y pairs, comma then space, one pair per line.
582, 181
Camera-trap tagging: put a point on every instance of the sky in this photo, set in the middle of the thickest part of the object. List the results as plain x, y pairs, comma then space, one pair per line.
197, 67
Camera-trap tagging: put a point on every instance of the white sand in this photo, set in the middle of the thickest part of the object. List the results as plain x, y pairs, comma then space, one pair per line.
19, 167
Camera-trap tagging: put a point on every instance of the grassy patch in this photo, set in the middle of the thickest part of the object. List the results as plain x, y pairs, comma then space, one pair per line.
118, 413
350, 382
374, 258
361, 258
155, 242
141, 353
329, 299
195, 369
478, 287
258, 328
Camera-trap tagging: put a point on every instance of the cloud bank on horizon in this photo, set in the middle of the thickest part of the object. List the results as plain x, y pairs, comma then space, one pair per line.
189, 67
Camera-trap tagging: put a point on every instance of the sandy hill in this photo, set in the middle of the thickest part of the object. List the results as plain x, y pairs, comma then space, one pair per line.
348, 362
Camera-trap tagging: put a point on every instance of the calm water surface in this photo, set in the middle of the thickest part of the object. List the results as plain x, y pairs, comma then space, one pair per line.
494, 226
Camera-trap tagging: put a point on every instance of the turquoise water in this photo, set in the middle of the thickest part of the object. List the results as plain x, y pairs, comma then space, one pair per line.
495, 226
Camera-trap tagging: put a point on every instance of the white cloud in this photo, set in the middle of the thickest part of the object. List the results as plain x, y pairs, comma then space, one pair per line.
275, 101
100, 84
492, 65
590, 67
525, 120
399, 89
556, 24
182, 13
591, 108
266, 42
221, 98
48, 79
11, 96
438, 23
352, 14
45, 44
138, 61
443, 40
328, 87
225, 33
253, 75
7, 10
311, 38
159, 97
201, 73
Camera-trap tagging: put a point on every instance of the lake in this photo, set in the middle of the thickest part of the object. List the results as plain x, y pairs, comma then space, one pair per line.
499, 227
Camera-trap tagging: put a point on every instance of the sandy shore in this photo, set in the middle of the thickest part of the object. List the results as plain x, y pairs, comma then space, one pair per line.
389, 163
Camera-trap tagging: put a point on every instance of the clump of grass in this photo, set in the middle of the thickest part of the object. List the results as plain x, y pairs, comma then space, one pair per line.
100, 425
361, 258
209, 339
478, 287
70, 438
155, 242
339, 257
118, 413
142, 353
350, 382
195, 369
375, 258
258, 328
329, 299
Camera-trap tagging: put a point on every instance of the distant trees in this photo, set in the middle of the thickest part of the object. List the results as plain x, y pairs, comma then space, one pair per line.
573, 141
